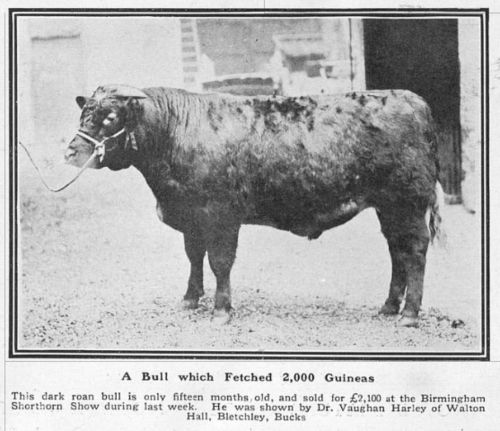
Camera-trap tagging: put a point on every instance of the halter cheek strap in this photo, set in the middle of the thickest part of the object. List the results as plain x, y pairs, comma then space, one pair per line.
99, 148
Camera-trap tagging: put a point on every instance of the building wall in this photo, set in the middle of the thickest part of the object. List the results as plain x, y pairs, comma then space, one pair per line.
61, 58
346, 35
470, 110
142, 52
191, 59
54, 84
246, 45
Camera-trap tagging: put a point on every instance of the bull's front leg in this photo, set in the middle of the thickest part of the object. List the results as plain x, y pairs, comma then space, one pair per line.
194, 245
222, 241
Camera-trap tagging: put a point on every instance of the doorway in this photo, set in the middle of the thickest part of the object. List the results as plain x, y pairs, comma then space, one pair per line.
421, 55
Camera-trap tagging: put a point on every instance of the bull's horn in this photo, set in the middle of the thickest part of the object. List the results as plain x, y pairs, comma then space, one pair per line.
122, 91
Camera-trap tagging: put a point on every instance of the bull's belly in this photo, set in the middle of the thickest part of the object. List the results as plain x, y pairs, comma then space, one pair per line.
314, 225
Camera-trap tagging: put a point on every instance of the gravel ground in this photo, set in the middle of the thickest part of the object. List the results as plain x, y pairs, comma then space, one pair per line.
99, 271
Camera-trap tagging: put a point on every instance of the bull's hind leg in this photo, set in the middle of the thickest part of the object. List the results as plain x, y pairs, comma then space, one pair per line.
195, 250
418, 239
398, 278
222, 241
408, 238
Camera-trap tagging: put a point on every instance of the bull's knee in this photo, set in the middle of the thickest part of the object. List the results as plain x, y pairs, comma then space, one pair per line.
221, 264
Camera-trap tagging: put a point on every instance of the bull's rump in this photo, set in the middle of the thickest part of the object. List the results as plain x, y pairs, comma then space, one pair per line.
287, 161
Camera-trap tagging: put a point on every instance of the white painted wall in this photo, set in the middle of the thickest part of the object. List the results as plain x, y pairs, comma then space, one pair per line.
469, 45
142, 52
61, 58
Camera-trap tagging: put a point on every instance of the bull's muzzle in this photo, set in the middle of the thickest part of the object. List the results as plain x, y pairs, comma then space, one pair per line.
78, 153
70, 154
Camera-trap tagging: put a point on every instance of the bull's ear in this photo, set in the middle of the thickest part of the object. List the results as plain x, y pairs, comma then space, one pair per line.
81, 101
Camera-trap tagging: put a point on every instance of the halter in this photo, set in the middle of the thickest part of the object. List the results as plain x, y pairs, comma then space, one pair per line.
99, 151
99, 148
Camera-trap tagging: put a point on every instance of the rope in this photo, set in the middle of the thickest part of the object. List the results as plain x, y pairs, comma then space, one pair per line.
55, 190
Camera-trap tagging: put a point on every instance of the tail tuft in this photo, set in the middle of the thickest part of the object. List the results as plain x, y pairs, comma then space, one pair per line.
435, 220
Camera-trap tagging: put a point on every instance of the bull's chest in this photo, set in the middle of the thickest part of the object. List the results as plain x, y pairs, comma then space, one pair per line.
175, 214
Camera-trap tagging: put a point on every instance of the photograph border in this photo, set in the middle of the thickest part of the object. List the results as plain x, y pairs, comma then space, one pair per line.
14, 352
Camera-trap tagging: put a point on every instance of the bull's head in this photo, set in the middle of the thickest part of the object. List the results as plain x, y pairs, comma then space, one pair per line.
106, 124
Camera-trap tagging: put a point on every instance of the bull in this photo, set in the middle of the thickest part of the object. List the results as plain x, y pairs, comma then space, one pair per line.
301, 164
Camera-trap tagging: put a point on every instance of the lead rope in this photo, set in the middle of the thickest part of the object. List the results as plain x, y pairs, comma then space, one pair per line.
99, 151
55, 190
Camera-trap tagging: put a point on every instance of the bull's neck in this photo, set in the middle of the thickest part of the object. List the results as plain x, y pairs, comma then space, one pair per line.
163, 126
170, 120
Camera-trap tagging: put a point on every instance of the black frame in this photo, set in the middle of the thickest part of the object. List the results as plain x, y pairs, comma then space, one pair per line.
15, 353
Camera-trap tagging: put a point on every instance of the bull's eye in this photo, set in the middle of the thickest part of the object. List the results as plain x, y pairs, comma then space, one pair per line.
109, 119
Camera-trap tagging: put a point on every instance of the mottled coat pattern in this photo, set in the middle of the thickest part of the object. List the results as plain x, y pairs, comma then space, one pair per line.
302, 164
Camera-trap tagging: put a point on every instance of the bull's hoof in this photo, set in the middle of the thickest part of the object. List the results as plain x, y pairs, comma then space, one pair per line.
388, 309
408, 321
190, 303
221, 317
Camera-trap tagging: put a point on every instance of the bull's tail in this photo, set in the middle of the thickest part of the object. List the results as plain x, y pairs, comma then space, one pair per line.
435, 220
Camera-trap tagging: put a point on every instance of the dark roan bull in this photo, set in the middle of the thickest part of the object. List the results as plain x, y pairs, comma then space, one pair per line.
302, 164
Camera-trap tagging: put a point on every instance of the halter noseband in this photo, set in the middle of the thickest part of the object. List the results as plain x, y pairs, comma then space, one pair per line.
99, 148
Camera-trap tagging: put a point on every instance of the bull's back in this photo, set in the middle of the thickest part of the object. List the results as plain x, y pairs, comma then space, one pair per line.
331, 148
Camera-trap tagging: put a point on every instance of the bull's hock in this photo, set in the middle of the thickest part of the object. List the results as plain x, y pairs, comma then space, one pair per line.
251, 377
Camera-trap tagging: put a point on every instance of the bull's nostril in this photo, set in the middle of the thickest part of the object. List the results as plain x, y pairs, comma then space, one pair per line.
69, 154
